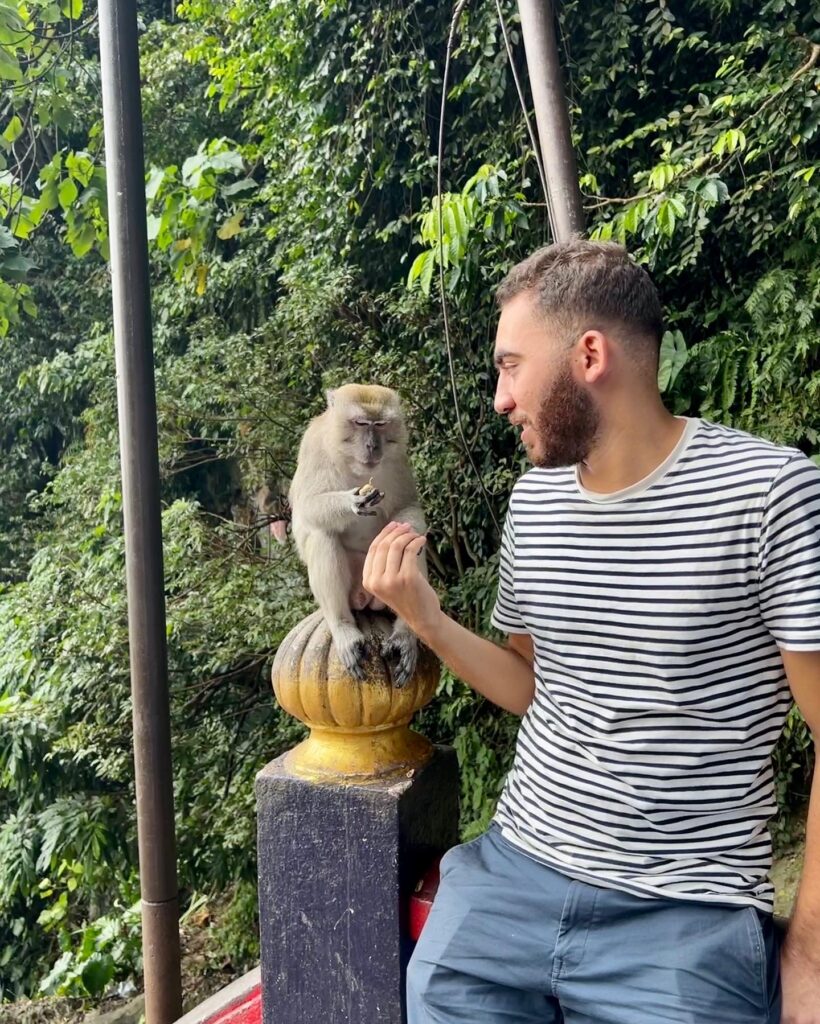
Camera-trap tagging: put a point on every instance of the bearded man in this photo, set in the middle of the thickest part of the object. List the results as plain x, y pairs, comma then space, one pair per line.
660, 587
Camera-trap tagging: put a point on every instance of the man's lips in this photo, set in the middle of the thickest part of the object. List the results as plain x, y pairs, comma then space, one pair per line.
527, 434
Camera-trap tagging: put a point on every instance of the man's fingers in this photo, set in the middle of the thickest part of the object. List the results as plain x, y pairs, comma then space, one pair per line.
399, 543
376, 557
384, 556
415, 546
386, 531
375, 550
409, 564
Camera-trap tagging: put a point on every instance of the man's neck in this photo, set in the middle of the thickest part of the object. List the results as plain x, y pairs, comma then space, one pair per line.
630, 448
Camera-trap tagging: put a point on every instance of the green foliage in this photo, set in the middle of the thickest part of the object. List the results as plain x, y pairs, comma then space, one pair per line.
236, 933
447, 227
106, 949
291, 201
190, 200
49, 74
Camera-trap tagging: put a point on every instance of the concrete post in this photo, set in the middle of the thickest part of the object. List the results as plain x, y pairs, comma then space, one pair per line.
347, 824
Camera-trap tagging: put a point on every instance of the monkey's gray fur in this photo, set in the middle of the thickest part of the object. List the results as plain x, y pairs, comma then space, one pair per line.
360, 436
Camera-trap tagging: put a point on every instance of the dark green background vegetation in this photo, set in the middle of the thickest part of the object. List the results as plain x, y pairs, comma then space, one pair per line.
292, 154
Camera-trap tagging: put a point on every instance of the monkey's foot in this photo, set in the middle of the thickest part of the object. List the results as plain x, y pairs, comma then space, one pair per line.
400, 651
351, 647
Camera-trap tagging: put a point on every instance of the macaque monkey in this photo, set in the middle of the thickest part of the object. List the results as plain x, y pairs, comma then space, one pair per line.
272, 507
352, 478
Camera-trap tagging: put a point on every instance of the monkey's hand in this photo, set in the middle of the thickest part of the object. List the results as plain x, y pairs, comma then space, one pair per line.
362, 501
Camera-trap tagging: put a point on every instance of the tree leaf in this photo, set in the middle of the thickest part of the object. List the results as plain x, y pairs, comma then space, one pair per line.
231, 227
673, 357
16, 267
67, 193
244, 185
9, 68
709, 190
97, 973
156, 176
72, 9
14, 129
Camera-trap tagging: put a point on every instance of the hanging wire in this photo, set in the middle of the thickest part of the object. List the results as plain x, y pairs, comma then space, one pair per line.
459, 7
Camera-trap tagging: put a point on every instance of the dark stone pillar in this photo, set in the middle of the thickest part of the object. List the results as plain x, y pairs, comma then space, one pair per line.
337, 865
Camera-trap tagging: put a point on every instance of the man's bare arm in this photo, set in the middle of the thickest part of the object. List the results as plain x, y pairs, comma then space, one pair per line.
800, 963
503, 675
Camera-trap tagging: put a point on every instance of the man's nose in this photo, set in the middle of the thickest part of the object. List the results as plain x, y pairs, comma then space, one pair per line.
503, 403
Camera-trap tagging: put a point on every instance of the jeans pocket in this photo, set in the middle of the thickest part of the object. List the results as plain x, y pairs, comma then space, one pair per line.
757, 944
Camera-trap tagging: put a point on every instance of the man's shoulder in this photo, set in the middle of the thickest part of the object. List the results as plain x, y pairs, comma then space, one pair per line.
539, 481
733, 451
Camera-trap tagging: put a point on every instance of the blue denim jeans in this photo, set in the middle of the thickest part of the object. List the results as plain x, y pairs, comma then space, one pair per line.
510, 940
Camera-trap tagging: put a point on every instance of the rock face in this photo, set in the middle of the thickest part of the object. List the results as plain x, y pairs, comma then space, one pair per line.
129, 1013
71, 1011
786, 872
42, 1011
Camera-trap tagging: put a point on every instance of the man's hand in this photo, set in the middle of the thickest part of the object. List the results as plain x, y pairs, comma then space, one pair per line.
800, 982
392, 574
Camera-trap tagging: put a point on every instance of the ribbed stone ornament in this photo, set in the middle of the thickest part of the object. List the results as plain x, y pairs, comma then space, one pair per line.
358, 729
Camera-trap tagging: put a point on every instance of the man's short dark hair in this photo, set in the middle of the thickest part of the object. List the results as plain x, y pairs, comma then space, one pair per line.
580, 285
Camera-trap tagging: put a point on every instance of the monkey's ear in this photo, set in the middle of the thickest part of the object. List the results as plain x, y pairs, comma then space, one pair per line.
330, 395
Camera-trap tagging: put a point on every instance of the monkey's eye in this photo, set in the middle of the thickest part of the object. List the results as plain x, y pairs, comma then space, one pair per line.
362, 423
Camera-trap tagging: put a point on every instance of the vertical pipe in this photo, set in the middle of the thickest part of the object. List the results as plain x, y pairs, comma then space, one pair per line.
552, 117
122, 115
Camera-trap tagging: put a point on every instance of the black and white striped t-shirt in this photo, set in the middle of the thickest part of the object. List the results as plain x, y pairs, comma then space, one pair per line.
656, 612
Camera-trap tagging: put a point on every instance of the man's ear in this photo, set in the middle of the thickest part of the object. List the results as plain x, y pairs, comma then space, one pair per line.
593, 350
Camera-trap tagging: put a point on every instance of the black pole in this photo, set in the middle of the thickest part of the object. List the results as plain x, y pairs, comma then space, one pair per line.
552, 117
125, 170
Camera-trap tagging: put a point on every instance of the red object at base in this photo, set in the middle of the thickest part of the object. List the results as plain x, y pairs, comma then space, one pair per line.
247, 1012
237, 1003
421, 902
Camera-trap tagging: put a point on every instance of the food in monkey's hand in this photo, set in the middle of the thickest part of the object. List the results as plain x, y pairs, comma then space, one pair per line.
366, 488
371, 495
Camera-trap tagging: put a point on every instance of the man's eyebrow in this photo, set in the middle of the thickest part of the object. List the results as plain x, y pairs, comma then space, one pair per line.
503, 354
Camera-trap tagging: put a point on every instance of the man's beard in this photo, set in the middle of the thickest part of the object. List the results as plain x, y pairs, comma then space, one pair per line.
567, 424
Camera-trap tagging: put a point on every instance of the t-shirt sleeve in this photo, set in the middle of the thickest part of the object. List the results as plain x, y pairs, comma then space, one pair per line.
506, 616
790, 557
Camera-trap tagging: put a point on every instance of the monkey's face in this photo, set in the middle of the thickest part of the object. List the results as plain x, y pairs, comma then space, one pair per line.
367, 443
370, 426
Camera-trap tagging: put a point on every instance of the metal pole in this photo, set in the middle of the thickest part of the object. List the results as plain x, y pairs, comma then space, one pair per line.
122, 115
552, 117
